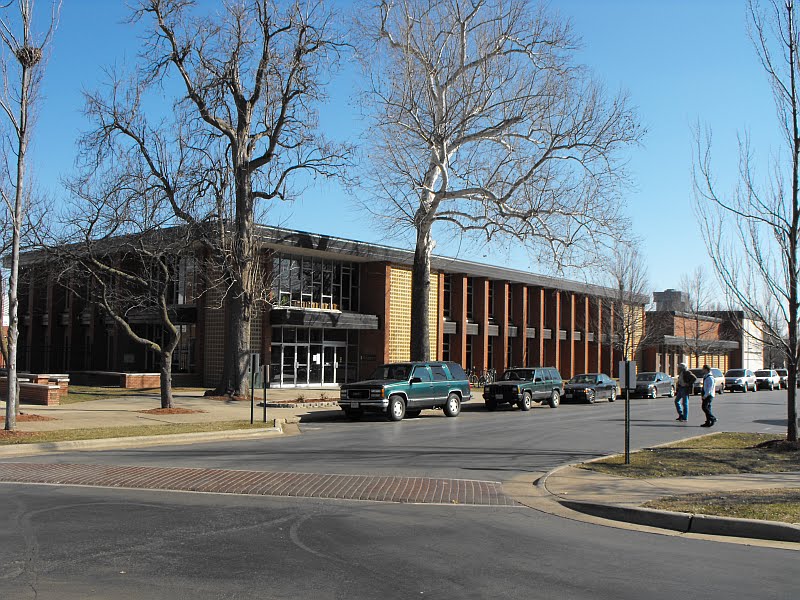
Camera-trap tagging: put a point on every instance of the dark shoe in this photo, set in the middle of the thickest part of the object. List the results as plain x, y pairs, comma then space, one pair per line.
714, 422
706, 425
680, 419
683, 420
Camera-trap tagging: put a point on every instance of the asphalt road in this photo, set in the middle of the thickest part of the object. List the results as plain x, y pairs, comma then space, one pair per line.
70, 542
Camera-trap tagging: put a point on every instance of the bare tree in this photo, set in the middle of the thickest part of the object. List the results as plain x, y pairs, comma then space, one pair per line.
698, 333
120, 247
251, 76
752, 232
627, 274
481, 122
23, 69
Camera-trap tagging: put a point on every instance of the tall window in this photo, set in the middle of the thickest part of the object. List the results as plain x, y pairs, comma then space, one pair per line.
470, 297
305, 282
491, 299
447, 294
184, 279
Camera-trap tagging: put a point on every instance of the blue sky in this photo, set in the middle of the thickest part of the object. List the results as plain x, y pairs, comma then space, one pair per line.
682, 62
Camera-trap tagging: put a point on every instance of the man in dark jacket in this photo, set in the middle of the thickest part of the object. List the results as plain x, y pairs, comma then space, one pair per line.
685, 382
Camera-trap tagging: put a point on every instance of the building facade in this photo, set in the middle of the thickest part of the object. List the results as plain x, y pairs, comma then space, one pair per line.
334, 310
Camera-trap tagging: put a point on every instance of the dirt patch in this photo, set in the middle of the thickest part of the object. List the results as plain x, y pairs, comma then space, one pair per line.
26, 418
171, 411
301, 401
779, 446
227, 398
15, 436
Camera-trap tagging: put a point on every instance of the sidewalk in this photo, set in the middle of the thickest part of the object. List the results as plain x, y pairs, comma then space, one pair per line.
620, 499
124, 411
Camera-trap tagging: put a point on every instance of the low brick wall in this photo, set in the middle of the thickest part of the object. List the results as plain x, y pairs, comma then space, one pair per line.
44, 394
128, 381
138, 381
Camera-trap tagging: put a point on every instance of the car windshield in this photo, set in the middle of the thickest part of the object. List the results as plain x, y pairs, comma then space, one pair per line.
584, 379
782, 371
763, 373
697, 373
398, 372
646, 377
735, 373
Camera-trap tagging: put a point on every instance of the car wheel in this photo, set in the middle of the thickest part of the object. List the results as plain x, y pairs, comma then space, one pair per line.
672, 391
413, 413
590, 396
525, 403
613, 396
453, 406
354, 414
555, 399
397, 408
491, 405
654, 394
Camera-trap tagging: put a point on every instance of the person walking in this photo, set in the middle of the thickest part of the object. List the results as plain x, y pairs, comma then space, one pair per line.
686, 381
708, 396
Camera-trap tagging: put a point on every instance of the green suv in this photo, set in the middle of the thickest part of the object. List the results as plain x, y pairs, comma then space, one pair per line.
404, 389
524, 387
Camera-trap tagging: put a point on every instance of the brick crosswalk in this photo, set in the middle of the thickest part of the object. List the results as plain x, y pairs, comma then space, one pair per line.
418, 490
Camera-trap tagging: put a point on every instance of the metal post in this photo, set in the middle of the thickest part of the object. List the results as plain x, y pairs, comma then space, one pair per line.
265, 371
252, 388
627, 413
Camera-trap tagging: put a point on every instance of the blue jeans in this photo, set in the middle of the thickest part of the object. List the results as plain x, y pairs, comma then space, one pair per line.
682, 402
706, 406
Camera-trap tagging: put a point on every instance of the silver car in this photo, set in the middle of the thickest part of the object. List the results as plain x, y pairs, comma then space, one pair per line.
767, 379
740, 379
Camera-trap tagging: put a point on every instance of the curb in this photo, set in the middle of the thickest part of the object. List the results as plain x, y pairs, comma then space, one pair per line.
690, 523
676, 521
141, 441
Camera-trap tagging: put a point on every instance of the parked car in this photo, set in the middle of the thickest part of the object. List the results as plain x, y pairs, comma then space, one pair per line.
524, 387
784, 375
740, 379
404, 389
590, 387
767, 379
719, 381
651, 384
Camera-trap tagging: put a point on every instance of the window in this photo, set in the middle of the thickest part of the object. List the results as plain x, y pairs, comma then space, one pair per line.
422, 373
447, 293
470, 297
438, 373
305, 282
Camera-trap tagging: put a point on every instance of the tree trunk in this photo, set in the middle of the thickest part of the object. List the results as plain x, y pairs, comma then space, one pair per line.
166, 379
420, 293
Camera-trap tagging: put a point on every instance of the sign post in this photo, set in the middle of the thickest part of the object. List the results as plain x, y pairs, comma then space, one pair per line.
627, 380
253, 366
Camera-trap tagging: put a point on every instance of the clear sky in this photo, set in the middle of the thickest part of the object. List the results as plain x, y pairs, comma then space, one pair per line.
682, 62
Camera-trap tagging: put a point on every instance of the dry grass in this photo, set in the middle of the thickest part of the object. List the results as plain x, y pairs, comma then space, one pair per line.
770, 505
717, 454
85, 393
171, 411
64, 435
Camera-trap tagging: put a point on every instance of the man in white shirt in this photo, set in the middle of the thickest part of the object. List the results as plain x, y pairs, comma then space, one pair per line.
708, 396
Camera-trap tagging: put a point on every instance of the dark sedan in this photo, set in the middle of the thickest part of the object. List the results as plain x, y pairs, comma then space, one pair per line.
590, 387
652, 384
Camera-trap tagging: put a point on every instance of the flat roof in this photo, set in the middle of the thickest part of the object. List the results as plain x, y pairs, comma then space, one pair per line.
315, 244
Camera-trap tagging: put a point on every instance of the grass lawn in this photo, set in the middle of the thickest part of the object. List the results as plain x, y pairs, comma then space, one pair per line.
65, 435
84, 393
770, 505
717, 454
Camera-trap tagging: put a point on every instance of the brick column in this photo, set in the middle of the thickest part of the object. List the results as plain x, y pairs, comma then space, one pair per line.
480, 342
552, 347
582, 326
501, 317
439, 350
458, 312
538, 314
519, 318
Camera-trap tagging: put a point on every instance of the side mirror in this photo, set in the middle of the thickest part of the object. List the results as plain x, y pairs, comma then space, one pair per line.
415, 380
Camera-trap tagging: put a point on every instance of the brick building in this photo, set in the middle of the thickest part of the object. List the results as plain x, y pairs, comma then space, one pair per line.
338, 308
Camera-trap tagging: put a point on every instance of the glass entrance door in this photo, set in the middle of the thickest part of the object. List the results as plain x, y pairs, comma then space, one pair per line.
333, 363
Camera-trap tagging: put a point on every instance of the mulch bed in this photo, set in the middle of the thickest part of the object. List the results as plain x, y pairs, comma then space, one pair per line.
171, 411
24, 418
779, 445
